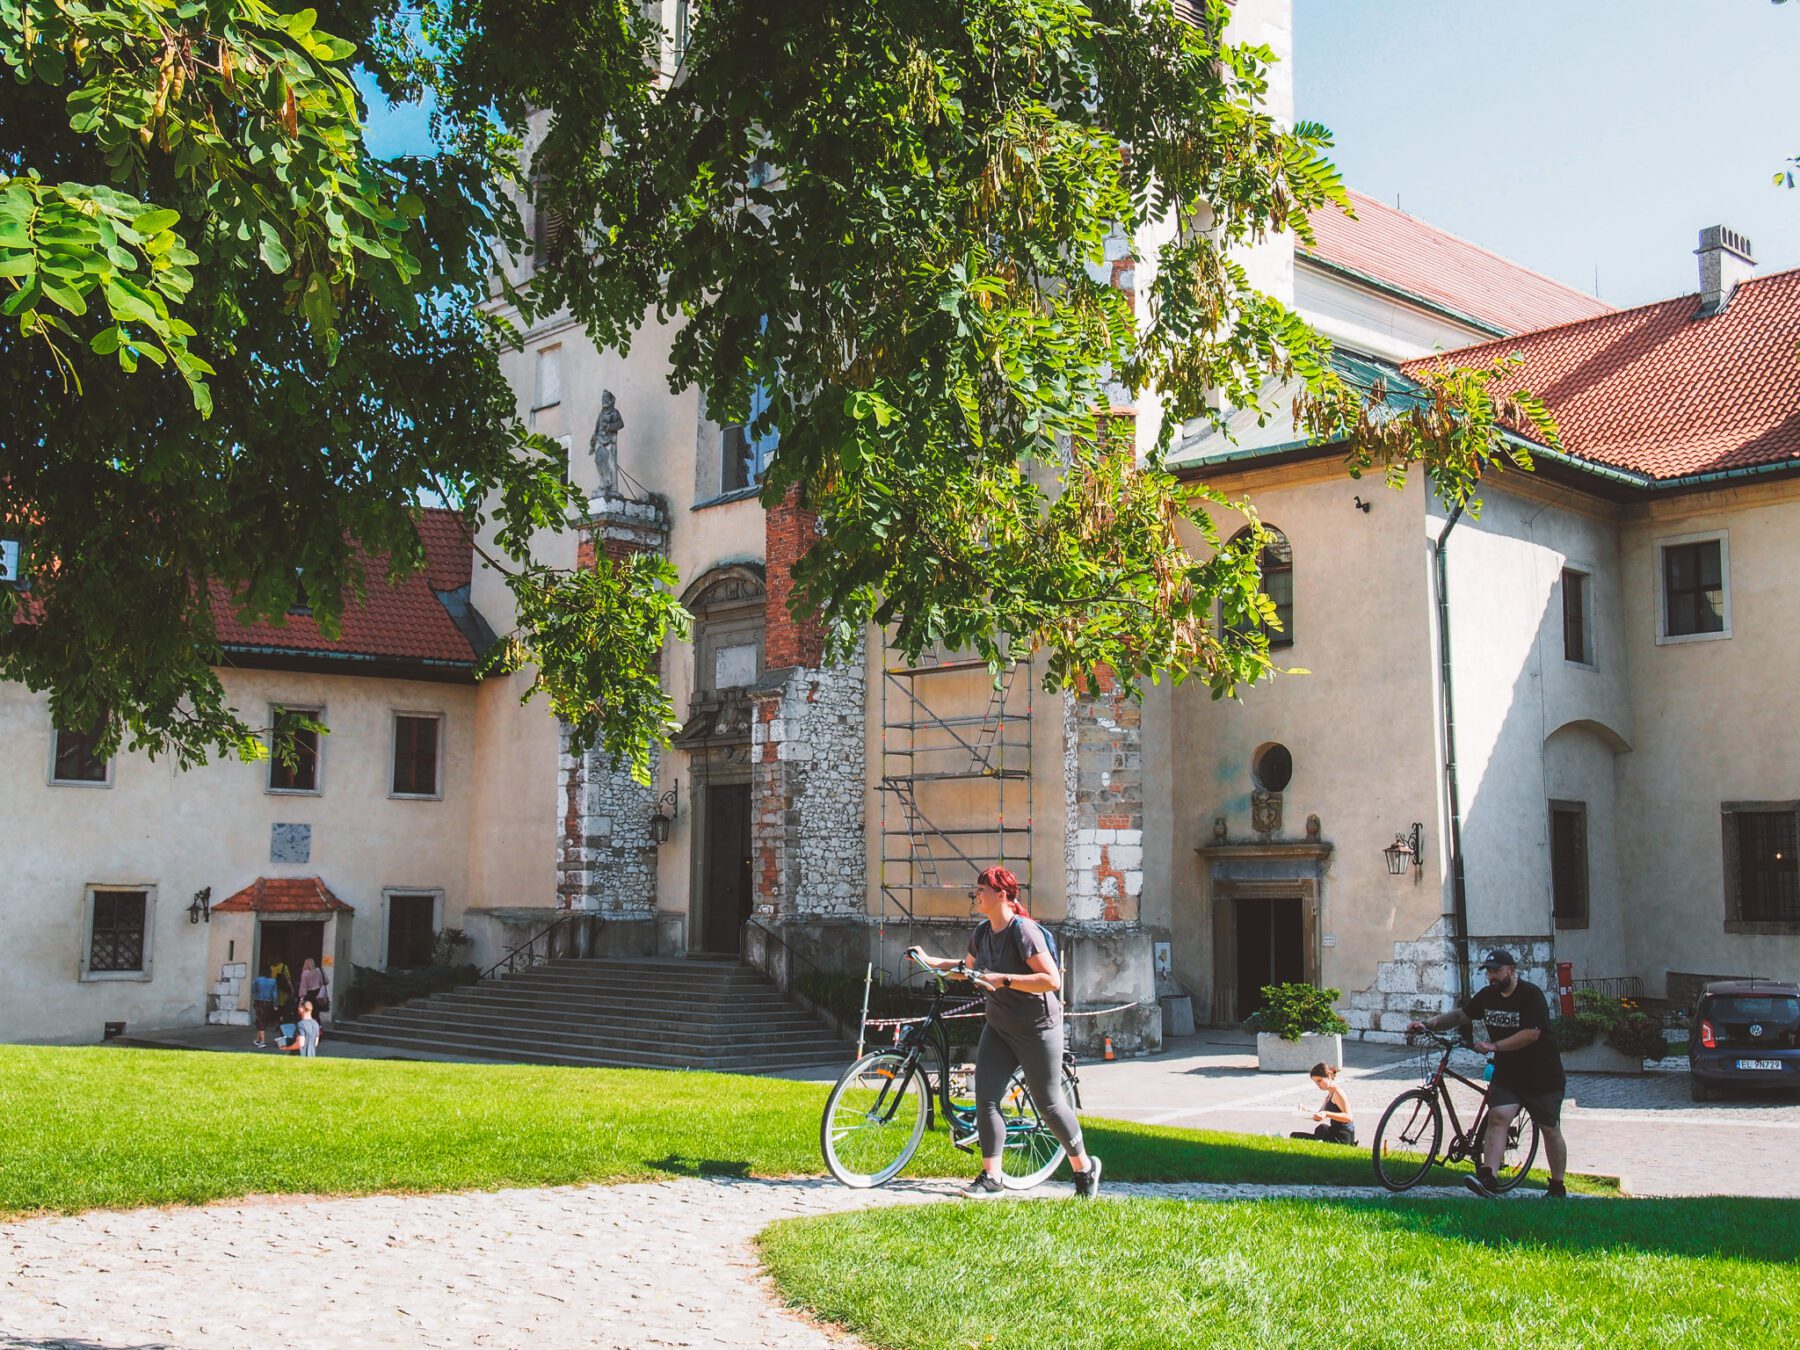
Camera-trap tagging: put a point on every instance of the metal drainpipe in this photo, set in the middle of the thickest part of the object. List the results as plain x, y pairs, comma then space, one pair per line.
1459, 890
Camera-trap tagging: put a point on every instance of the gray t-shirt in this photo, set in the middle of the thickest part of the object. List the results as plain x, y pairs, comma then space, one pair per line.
1007, 952
308, 1031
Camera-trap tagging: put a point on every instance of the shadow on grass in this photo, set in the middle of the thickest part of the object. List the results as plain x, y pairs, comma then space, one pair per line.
1705, 1227
678, 1166
1136, 1152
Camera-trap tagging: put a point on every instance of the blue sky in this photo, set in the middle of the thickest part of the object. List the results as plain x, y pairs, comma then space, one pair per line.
1567, 134
1570, 135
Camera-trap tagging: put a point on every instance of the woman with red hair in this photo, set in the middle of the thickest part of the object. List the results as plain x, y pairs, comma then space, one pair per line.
1010, 960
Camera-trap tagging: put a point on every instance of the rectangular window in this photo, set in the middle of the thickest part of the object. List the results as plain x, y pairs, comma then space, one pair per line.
116, 932
415, 755
1762, 863
1577, 599
410, 930
548, 390
1693, 586
302, 774
1569, 864
744, 454
76, 758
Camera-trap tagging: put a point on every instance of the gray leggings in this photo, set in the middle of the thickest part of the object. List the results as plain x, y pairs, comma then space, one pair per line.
1039, 1053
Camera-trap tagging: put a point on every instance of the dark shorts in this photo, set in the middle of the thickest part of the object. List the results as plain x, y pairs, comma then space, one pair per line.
265, 1015
1545, 1107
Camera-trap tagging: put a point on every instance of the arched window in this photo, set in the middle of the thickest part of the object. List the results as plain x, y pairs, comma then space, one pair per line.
1277, 564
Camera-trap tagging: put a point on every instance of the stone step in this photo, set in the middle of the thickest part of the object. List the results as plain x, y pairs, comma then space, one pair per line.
426, 1018
652, 1014
529, 1052
721, 1012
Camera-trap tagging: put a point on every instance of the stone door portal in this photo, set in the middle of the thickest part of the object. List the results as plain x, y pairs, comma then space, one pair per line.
725, 887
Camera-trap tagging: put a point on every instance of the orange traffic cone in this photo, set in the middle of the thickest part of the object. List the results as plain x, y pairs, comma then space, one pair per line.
1109, 1050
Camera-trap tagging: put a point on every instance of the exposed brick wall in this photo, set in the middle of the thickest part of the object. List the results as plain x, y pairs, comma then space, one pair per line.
789, 530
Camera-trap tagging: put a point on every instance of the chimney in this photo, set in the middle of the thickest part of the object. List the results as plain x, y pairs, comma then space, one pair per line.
1724, 261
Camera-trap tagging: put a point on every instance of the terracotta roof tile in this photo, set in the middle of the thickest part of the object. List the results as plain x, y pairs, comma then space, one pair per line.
284, 895
1385, 243
404, 621
1660, 392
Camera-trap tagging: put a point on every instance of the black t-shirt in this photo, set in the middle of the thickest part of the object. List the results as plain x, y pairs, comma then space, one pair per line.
1536, 1067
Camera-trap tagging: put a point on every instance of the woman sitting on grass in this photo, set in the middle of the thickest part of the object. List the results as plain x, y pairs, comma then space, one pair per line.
1337, 1125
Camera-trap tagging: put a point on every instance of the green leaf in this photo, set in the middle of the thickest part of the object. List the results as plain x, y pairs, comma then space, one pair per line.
271, 248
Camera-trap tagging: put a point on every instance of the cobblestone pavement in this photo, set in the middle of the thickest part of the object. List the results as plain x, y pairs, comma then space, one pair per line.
665, 1264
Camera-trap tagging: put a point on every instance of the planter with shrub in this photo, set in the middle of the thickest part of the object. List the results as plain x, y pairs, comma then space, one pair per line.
1296, 1028
1607, 1035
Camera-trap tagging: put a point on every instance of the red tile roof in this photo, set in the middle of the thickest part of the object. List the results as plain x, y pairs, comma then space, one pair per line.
1385, 243
1659, 392
404, 621
284, 895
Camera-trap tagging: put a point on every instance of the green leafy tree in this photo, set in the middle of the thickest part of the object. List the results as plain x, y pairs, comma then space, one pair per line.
892, 217
232, 342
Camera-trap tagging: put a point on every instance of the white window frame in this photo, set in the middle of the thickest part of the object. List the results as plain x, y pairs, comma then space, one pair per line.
1663, 637
394, 749
549, 360
50, 767
141, 976
389, 892
1589, 607
317, 713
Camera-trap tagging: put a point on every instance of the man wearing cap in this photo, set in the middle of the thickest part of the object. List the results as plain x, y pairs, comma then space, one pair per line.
1528, 1071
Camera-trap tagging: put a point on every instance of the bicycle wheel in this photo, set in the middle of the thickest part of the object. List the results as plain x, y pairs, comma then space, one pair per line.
1521, 1149
873, 1119
1031, 1152
1406, 1141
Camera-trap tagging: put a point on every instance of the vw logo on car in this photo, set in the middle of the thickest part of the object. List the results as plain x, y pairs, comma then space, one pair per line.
1756, 1028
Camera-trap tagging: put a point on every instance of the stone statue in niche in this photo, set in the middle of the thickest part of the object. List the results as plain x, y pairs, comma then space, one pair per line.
605, 445
1265, 812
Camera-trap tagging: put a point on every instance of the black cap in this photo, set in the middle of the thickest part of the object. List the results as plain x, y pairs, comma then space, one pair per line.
1498, 957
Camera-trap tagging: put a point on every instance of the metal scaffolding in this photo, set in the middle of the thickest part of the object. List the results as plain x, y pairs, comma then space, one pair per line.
956, 786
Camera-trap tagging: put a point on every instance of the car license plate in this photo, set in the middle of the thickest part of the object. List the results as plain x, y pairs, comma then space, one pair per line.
1759, 1064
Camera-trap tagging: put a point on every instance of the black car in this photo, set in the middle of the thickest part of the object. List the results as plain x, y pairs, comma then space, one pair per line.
1745, 1033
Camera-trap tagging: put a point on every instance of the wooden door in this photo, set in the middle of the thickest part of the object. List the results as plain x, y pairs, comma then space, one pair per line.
726, 894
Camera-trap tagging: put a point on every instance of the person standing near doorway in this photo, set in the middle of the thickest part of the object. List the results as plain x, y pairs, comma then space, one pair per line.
1010, 961
264, 990
1528, 1069
312, 980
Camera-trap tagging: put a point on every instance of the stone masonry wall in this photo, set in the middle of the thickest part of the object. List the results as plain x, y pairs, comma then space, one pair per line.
606, 860
1103, 779
1423, 980
227, 992
809, 858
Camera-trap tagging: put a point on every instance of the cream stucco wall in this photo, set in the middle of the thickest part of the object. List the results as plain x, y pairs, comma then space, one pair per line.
1360, 726
1532, 726
178, 832
1718, 721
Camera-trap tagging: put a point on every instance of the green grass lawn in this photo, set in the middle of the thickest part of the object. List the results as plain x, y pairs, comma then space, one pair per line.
1411, 1272
98, 1127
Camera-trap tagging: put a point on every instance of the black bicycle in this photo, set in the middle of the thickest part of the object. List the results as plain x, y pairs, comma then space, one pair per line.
884, 1103
1410, 1138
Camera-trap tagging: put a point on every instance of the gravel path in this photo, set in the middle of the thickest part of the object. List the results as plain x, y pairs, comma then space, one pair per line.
652, 1265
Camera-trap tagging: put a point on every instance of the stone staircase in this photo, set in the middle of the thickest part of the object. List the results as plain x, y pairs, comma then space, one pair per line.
652, 1014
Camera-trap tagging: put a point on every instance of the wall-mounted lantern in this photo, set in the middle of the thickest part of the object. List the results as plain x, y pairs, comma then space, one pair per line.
1405, 846
201, 908
666, 808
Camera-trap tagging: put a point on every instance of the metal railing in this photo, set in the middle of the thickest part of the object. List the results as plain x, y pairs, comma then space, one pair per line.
1615, 986
576, 932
